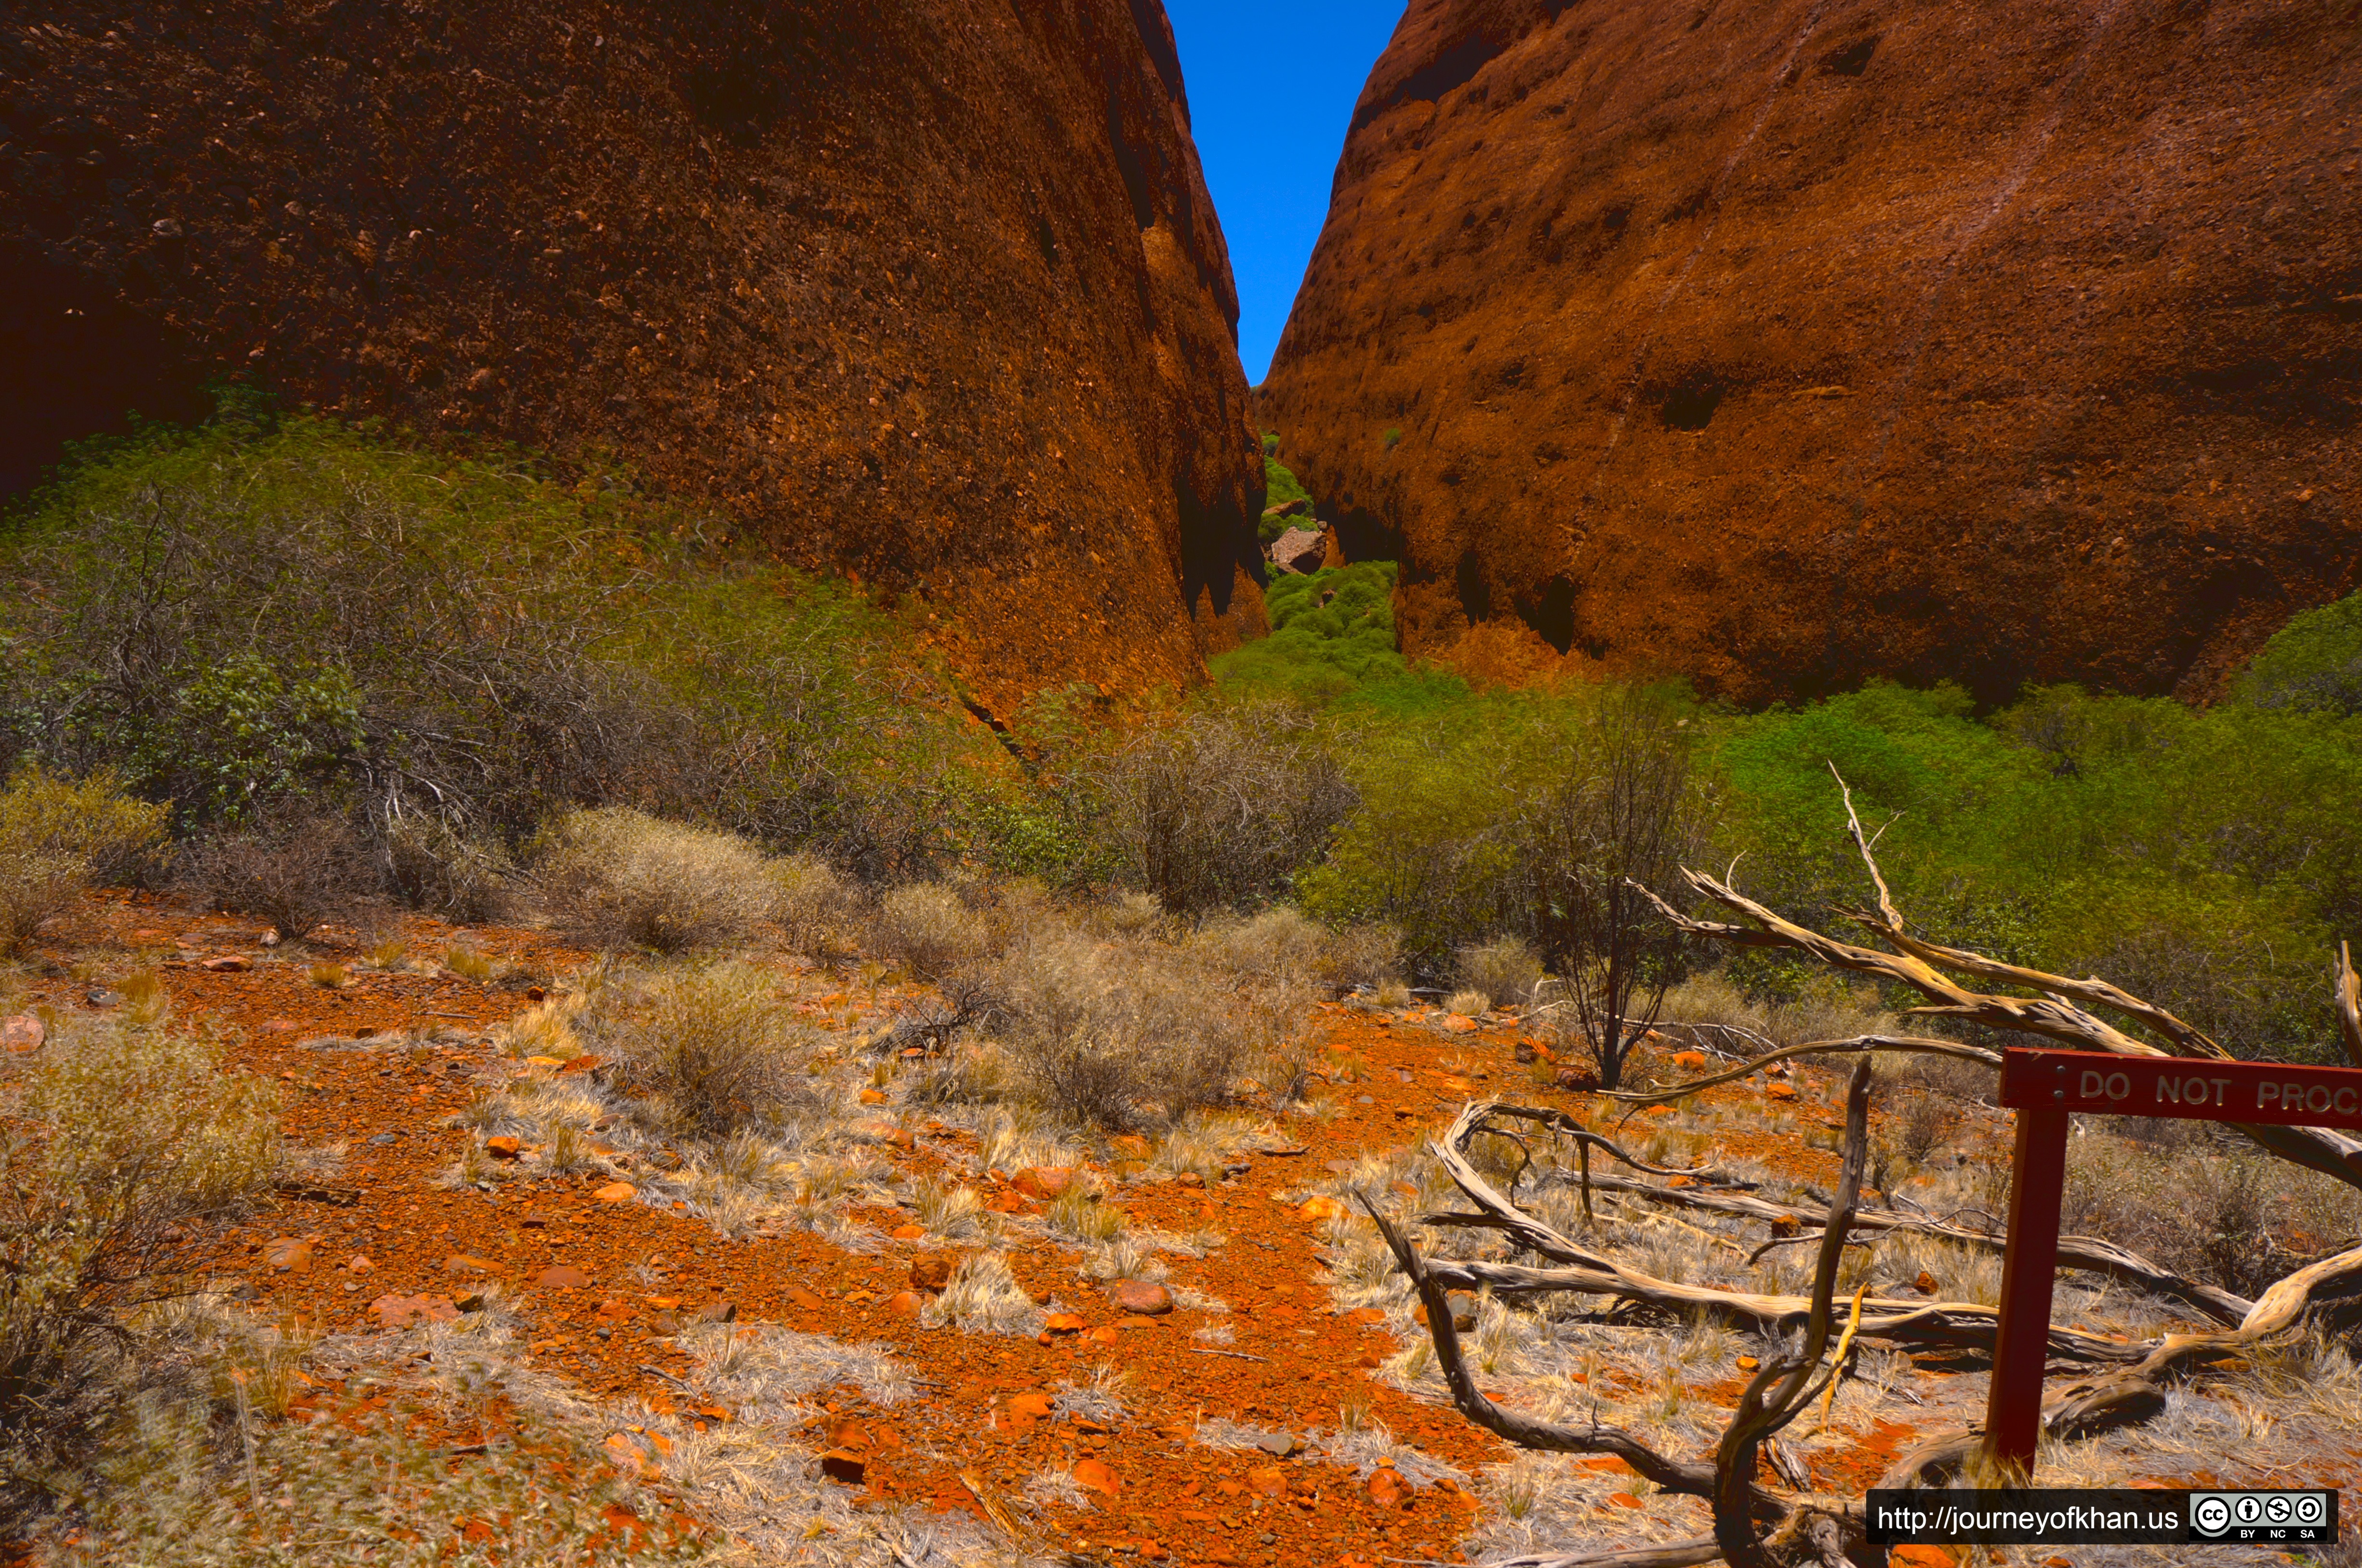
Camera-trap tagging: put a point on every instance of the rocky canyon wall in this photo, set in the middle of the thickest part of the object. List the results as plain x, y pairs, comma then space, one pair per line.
1785, 342
927, 292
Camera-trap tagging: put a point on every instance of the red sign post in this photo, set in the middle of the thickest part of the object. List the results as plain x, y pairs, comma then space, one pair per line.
2046, 1089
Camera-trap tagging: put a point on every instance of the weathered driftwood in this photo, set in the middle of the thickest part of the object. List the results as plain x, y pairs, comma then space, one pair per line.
2090, 1254
1754, 1528
2054, 1014
1928, 1325
2349, 1005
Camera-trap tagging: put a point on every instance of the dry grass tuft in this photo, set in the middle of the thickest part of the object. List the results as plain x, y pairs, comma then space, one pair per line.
619, 878
708, 1050
126, 1140
1504, 971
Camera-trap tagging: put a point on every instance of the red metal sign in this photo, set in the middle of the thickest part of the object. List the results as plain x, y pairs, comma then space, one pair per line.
2100, 1083
2046, 1088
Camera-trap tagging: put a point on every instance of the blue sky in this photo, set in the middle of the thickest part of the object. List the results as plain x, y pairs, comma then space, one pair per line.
1271, 85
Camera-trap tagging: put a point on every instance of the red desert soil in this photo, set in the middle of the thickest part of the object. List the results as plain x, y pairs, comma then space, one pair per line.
1292, 1364
1784, 345
929, 292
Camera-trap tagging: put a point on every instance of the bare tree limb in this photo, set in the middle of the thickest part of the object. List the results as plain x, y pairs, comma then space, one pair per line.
2093, 1254
2052, 1016
1855, 1046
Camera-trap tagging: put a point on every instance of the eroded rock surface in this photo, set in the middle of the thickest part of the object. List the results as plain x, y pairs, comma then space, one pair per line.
1785, 343
926, 291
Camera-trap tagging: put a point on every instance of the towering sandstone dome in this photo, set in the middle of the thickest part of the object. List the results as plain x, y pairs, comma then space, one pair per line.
926, 291
1783, 343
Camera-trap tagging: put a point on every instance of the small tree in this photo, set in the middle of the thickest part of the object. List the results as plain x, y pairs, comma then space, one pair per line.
1626, 807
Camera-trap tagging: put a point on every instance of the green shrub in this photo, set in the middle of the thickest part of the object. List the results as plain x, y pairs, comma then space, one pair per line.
451, 635
2312, 664
1333, 632
620, 878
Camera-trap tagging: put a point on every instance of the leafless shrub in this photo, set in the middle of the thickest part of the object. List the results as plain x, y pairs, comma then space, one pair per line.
436, 868
1119, 1039
621, 878
814, 909
296, 868
1210, 810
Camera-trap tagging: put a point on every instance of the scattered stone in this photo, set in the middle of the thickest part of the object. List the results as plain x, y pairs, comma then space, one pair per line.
358, 1264
1526, 1053
228, 963
844, 1465
1926, 1284
562, 1276
1693, 1060
1464, 1310
616, 1192
931, 1273
503, 1148
1131, 1145
1458, 1023
873, 1097
1281, 1445
1043, 1182
1299, 507
104, 998
1300, 550
286, 1255
474, 1301
1388, 1490
1366, 1315
1782, 1091
1190, 1178
1747, 1364
906, 1303
1624, 1499
396, 1312
1580, 1078
909, 1233
1270, 1480
1786, 1225
1064, 1323
22, 1034
1093, 1476
804, 1300
1323, 1207
465, 1263
1104, 1334
1137, 1322
715, 1312
1140, 1298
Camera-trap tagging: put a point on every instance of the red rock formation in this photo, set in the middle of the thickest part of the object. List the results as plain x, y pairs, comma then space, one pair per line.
920, 290
1789, 342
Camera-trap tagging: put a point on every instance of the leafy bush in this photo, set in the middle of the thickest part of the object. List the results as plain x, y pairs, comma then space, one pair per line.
2313, 665
453, 636
56, 836
1333, 632
620, 878
296, 867
128, 1140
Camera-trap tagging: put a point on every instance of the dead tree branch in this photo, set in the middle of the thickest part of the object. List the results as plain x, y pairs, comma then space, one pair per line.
2054, 1014
2349, 1005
